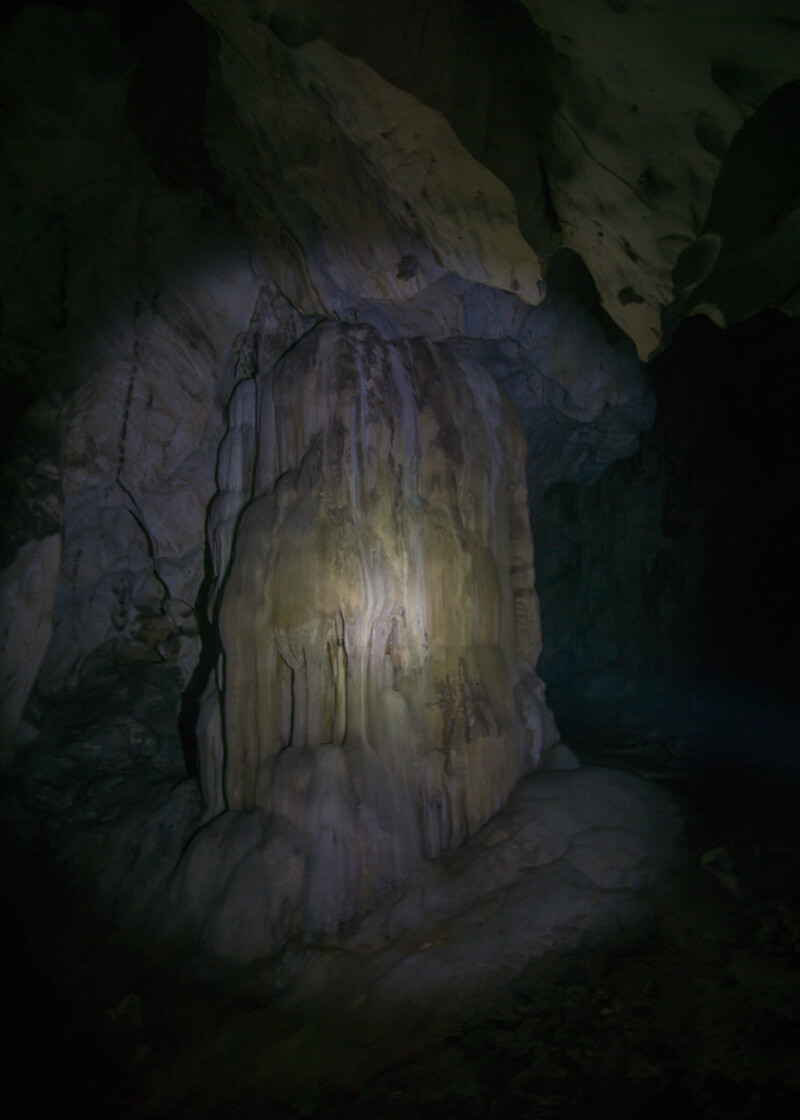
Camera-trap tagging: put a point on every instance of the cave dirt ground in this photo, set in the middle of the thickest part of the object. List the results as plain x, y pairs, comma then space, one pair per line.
695, 1011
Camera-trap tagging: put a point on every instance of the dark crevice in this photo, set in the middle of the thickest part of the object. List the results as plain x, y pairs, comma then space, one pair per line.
167, 97
209, 652
549, 205
668, 588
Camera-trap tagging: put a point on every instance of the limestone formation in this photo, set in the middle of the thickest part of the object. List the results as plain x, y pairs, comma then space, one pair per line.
280, 297
651, 99
379, 630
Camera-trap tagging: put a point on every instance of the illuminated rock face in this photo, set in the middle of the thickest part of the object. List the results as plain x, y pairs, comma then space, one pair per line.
379, 626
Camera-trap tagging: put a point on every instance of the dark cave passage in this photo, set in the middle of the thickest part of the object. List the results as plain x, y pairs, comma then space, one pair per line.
747, 384
687, 663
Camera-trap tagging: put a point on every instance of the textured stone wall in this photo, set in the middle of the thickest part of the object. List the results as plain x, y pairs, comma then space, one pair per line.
262, 275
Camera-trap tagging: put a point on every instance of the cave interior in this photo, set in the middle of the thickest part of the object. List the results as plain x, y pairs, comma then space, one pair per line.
398, 702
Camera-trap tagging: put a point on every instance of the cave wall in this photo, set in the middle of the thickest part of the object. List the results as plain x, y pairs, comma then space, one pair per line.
612, 124
213, 204
134, 264
121, 296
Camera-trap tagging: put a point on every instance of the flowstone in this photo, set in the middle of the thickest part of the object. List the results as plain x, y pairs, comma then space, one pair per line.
376, 698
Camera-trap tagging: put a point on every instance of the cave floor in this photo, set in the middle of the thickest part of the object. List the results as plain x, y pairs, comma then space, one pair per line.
695, 1009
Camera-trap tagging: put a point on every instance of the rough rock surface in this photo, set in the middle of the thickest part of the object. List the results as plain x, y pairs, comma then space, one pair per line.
135, 349
600, 833
202, 219
27, 588
652, 97
121, 299
613, 125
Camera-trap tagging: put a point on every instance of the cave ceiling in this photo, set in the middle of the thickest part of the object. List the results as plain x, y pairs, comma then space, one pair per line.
611, 123
381, 160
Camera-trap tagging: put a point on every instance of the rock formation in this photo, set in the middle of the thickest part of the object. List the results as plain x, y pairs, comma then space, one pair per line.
378, 622
296, 337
